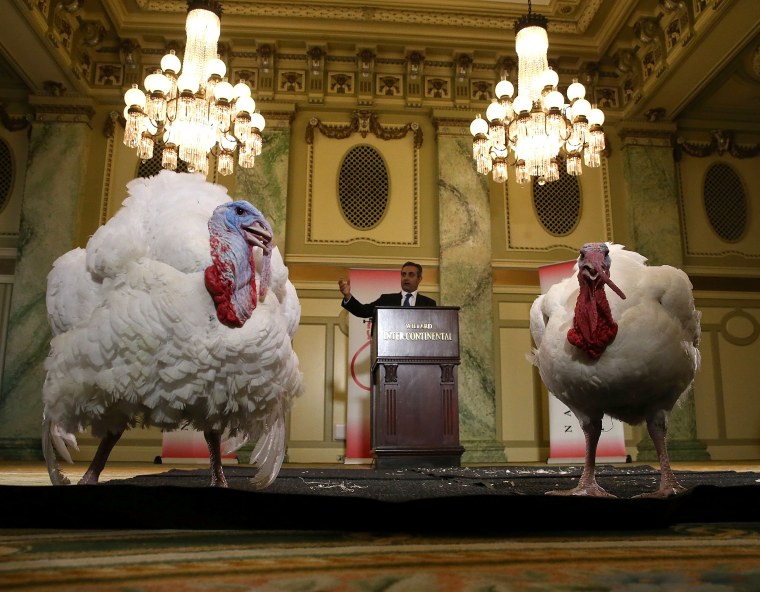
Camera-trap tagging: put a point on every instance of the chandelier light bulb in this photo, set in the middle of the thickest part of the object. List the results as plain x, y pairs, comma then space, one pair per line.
186, 83
495, 111
479, 126
134, 96
522, 103
554, 100
596, 116
575, 91
170, 63
154, 82
550, 78
224, 91
216, 67
504, 89
581, 108
245, 105
242, 90
257, 121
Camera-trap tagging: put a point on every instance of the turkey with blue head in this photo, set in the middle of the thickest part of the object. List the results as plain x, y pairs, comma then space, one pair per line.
177, 314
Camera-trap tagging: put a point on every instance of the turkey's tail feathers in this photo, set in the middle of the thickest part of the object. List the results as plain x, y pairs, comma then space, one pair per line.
54, 438
270, 450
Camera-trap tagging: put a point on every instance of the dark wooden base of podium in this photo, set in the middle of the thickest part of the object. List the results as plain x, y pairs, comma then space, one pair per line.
396, 458
414, 403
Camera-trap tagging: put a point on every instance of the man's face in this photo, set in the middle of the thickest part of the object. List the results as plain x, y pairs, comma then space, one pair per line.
410, 279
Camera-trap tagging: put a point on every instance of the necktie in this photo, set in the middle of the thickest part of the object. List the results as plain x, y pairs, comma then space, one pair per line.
407, 298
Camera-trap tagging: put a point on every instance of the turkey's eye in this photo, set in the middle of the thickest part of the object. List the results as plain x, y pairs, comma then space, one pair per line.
239, 211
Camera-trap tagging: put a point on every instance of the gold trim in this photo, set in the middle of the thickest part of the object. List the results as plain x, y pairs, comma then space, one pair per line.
364, 122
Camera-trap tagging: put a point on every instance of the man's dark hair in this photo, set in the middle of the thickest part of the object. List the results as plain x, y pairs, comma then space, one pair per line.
413, 264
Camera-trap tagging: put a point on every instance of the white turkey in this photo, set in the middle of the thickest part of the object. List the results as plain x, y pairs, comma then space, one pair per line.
159, 322
630, 357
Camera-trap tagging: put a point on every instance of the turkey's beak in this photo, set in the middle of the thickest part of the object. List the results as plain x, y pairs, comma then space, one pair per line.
259, 235
606, 279
595, 269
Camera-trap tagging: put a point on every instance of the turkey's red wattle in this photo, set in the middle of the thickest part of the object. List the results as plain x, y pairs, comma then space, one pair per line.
593, 326
220, 282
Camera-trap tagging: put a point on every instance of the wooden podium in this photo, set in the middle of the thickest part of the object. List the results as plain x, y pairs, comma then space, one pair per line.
414, 402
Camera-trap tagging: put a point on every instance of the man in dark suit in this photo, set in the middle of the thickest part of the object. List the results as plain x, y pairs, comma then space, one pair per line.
411, 275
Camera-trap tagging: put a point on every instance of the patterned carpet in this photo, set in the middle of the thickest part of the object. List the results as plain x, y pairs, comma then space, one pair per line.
694, 558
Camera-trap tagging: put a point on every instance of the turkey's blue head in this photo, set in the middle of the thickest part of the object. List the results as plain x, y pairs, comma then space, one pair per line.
242, 217
235, 229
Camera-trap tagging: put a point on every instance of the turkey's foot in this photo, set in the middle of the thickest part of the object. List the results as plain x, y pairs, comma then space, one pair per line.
218, 480
589, 490
663, 492
59, 478
89, 478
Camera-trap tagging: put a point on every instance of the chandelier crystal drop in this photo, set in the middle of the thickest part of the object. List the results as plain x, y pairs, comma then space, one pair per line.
190, 109
537, 125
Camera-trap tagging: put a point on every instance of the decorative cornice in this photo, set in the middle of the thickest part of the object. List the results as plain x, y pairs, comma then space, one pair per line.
364, 122
452, 126
61, 109
654, 136
721, 142
340, 12
12, 124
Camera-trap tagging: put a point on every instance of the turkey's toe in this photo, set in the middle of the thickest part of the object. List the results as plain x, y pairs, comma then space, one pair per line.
587, 490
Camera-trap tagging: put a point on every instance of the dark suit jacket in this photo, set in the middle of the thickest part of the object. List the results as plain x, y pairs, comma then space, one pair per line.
366, 311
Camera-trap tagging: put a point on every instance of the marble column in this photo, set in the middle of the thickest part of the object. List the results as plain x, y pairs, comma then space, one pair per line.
466, 281
266, 184
266, 187
654, 223
55, 175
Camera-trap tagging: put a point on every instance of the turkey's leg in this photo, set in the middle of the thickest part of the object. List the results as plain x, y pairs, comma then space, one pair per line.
587, 485
101, 456
658, 431
214, 441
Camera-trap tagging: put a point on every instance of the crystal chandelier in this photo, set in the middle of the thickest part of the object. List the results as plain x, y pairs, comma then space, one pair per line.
190, 109
537, 124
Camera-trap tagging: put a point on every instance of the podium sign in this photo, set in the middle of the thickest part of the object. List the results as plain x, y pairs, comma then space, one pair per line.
414, 396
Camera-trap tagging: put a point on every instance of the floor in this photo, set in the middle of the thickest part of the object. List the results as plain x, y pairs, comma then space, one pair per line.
31, 473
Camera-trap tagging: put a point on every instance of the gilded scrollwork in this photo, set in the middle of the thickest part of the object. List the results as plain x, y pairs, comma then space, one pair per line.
721, 142
363, 122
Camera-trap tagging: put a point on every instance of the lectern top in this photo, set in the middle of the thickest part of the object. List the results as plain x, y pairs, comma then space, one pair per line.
416, 333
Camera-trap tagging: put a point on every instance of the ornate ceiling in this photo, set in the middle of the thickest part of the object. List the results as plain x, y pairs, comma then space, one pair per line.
695, 60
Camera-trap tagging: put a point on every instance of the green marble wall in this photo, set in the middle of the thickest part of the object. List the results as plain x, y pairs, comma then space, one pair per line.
266, 184
466, 281
654, 219
54, 181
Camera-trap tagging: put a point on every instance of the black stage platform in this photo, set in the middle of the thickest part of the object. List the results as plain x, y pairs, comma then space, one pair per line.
477, 500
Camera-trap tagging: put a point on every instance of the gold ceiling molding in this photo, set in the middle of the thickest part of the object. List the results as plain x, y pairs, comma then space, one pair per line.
490, 19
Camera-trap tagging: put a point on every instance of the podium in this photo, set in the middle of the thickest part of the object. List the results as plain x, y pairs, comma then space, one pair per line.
414, 401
